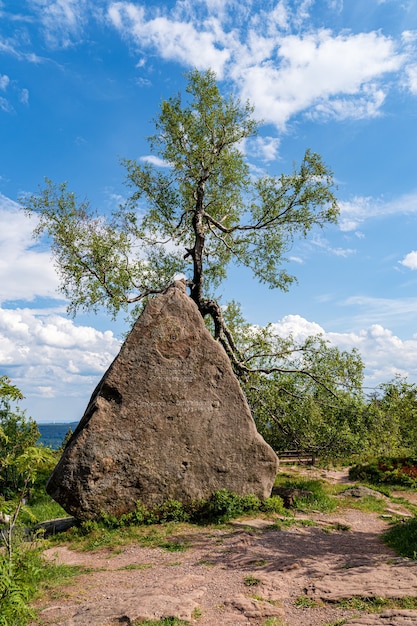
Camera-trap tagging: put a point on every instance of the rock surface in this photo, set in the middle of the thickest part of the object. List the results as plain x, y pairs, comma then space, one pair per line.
167, 420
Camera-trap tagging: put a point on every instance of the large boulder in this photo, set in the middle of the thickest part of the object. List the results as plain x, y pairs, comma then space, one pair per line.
167, 420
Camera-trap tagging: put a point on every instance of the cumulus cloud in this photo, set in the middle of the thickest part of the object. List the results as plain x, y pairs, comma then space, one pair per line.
383, 353
48, 356
183, 41
410, 260
154, 160
265, 148
321, 73
25, 271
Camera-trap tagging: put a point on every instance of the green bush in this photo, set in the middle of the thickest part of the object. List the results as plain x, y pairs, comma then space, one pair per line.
274, 504
224, 505
387, 470
220, 507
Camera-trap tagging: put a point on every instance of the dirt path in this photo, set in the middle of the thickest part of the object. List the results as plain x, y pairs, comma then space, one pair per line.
248, 573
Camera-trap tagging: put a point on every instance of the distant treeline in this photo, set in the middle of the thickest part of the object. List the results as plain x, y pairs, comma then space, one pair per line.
52, 435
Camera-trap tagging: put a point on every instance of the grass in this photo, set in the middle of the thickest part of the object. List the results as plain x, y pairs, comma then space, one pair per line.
94, 537
40, 509
320, 498
402, 538
31, 576
367, 504
377, 604
304, 602
289, 522
251, 581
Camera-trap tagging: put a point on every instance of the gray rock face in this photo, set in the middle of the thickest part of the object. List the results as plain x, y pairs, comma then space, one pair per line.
167, 420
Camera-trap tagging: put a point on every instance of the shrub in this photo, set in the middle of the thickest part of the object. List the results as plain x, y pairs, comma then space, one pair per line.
387, 470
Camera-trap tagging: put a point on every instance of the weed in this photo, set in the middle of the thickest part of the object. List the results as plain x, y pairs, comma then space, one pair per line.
273, 621
251, 581
261, 599
197, 613
304, 602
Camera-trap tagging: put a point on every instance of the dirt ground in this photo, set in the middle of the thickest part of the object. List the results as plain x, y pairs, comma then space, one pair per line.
249, 573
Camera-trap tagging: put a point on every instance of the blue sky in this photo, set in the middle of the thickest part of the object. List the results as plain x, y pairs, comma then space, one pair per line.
81, 81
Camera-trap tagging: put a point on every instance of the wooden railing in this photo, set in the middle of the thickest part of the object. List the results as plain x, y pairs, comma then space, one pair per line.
295, 456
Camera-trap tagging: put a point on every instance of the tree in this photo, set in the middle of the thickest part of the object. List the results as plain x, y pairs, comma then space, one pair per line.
195, 209
313, 402
392, 418
20, 461
18, 433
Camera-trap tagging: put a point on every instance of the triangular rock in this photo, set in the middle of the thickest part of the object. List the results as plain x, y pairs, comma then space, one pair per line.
167, 420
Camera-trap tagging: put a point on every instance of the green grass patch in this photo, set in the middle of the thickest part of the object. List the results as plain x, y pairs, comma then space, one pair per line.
304, 602
367, 504
403, 538
377, 604
320, 498
39, 509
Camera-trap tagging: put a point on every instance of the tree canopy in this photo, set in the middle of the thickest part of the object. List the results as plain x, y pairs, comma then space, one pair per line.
194, 209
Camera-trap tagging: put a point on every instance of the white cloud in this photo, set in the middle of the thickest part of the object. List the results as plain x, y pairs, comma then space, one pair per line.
198, 45
49, 356
410, 260
297, 326
412, 78
62, 20
24, 96
321, 242
6, 106
25, 271
355, 212
383, 353
321, 73
4, 82
154, 160
284, 74
265, 148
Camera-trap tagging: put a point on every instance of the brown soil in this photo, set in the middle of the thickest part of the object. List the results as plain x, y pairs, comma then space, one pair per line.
246, 573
